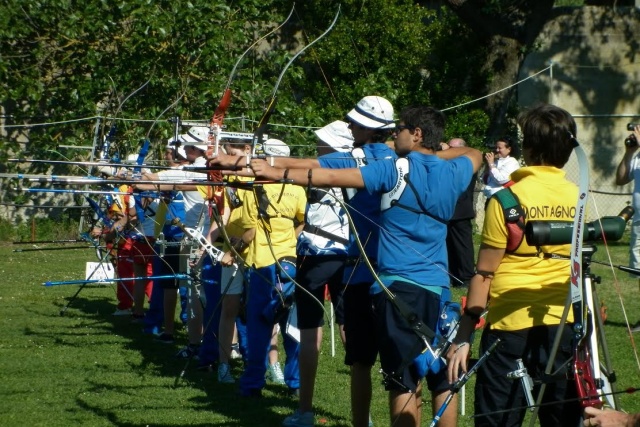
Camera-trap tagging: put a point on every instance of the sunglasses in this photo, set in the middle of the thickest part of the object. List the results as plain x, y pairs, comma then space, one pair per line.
400, 128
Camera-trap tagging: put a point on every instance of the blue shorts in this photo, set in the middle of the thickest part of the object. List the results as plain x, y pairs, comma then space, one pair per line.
398, 343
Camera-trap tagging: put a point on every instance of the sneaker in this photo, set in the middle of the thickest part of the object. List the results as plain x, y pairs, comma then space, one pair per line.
137, 318
224, 374
235, 351
188, 352
122, 312
299, 419
275, 373
165, 338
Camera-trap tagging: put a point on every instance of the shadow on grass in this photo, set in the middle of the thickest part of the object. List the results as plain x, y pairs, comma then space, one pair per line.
209, 399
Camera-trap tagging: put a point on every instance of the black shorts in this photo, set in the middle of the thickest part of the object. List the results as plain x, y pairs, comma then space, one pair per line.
504, 398
359, 325
313, 273
169, 264
399, 345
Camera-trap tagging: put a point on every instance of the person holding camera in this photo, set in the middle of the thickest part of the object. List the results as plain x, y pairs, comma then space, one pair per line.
524, 287
500, 165
629, 170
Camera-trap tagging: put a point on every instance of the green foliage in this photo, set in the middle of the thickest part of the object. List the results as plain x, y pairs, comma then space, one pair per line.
68, 59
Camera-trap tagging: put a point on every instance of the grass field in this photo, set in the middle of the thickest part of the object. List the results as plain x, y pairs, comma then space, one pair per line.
91, 369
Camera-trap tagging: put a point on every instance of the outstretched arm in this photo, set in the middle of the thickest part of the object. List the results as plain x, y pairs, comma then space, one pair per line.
474, 155
317, 177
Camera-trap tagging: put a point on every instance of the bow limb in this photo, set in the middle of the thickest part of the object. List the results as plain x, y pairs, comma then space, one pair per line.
178, 98
225, 100
111, 135
586, 360
271, 106
215, 194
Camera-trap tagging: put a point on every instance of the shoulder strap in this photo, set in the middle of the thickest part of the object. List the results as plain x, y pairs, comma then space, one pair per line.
390, 199
358, 155
513, 217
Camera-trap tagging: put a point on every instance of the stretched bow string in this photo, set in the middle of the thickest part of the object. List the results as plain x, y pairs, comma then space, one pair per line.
257, 150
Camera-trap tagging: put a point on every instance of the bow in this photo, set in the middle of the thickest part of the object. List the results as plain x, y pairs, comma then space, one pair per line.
215, 194
585, 372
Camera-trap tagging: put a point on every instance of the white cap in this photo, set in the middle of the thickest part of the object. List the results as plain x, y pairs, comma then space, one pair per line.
275, 147
197, 137
373, 112
336, 135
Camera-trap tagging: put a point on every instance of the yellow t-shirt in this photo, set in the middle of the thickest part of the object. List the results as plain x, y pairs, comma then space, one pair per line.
234, 227
531, 291
282, 213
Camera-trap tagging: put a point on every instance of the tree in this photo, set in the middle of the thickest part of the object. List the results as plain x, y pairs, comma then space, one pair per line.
505, 31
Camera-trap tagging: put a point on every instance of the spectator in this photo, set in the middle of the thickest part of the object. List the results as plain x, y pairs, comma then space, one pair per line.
500, 166
629, 170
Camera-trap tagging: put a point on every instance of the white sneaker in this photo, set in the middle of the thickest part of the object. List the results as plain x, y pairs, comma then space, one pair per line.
235, 351
224, 374
275, 373
122, 312
299, 419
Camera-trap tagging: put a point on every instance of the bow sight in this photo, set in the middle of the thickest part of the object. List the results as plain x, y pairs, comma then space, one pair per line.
611, 228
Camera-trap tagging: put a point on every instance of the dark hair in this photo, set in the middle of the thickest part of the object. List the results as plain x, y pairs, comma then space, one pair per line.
382, 134
548, 135
430, 120
513, 145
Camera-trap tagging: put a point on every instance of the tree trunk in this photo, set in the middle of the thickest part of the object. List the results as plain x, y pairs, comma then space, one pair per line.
506, 30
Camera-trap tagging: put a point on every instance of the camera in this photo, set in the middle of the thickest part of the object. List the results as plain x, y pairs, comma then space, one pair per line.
610, 228
631, 126
631, 141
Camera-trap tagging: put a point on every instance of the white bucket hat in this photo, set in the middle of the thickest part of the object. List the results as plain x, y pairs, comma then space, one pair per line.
336, 135
275, 147
197, 137
373, 112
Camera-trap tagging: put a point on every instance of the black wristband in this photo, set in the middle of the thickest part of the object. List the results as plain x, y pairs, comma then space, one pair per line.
474, 316
309, 175
286, 174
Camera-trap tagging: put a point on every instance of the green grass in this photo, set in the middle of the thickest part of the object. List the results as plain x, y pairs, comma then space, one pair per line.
89, 368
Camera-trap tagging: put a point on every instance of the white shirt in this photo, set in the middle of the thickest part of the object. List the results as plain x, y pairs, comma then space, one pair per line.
194, 204
500, 175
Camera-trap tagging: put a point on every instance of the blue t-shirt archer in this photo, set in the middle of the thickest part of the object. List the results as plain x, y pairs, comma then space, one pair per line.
412, 245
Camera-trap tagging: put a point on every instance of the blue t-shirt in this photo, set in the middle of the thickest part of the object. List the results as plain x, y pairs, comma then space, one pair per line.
412, 245
364, 208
